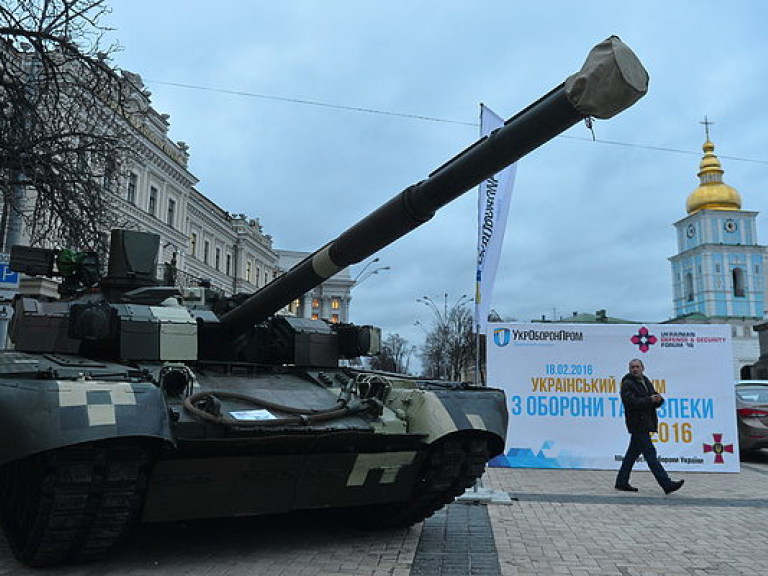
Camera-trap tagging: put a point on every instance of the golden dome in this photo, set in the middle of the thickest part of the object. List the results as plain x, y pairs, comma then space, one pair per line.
712, 193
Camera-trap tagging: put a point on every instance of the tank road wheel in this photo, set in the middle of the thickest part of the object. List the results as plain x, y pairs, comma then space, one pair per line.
453, 465
74, 503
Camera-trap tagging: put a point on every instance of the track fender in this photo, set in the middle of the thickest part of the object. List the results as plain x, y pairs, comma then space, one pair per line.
439, 412
38, 415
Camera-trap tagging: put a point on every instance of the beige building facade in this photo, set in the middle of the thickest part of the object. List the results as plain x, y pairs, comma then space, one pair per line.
200, 240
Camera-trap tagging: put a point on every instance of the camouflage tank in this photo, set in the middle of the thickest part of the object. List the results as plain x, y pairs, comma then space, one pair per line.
126, 400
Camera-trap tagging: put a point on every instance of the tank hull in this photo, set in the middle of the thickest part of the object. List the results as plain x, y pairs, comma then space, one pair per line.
349, 461
94, 455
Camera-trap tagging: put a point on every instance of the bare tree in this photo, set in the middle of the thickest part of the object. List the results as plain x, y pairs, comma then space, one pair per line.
64, 115
395, 355
449, 347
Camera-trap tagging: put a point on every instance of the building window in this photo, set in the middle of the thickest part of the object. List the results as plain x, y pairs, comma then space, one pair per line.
258, 276
335, 318
335, 303
218, 258
689, 287
315, 317
315, 303
738, 282
206, 251
193, 244
717, 268
171, 212
109, 174
131, 194
229, 264
248, 271
82, 161
152, 209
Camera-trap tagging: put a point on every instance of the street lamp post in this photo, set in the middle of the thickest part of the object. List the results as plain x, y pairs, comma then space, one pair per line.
360, 278
445, 343
364, 268
436, 348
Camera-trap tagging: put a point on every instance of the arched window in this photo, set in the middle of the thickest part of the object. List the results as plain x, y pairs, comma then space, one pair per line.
738, 282
688, 287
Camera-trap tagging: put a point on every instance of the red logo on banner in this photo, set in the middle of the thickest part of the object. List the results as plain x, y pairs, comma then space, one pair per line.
718, 448
643, 339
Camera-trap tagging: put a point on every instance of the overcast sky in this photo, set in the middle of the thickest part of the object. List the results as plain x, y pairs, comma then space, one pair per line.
591, 222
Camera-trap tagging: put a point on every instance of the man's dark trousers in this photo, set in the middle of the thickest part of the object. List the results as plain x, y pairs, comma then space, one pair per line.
640, 443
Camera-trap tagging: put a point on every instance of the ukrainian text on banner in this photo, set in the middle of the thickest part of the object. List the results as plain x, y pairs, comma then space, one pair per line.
492, 211
563, 392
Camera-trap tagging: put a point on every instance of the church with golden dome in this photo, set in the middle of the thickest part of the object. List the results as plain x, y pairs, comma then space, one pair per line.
718, 273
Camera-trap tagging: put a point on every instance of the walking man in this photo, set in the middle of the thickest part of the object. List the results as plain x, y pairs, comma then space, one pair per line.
641, 401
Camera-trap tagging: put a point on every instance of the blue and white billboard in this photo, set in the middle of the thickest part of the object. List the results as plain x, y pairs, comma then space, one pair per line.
563, 386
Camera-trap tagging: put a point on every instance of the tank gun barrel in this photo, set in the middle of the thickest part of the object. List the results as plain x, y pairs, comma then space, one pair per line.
611, 80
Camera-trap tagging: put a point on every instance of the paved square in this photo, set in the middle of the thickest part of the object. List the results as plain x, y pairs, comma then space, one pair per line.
569, 522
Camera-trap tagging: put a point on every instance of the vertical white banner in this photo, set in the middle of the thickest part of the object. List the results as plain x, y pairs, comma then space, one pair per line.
492, 211
563, 385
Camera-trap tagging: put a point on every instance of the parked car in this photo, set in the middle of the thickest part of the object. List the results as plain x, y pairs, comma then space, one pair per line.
752, 414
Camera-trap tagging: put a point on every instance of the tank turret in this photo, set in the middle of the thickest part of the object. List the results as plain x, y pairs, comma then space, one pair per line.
128, 399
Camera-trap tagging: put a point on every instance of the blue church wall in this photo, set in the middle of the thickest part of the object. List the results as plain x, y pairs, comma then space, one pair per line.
678, 296
737, 259
710, 228
741, 307
713, 231
741, 235
697, 262
713, 289
757, 286
721, 305
690, 243
749, 234
718, 265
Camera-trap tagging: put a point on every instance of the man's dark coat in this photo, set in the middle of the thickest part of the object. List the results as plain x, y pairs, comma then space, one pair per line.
639, 409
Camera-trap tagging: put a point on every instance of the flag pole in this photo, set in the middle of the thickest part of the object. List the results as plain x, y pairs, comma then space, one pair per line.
478, 380
494, 197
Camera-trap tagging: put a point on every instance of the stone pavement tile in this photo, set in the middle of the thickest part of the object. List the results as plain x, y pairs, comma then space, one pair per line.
575, 519
290, 546
457, 540
569, 522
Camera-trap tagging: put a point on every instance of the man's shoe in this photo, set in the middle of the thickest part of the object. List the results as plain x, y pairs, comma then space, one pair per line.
627, 488
674, 487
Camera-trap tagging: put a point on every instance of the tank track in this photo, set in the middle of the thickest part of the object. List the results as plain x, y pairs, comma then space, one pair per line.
73, 503
453, 465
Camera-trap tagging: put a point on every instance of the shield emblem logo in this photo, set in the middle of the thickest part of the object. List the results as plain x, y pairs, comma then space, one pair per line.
501, 336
